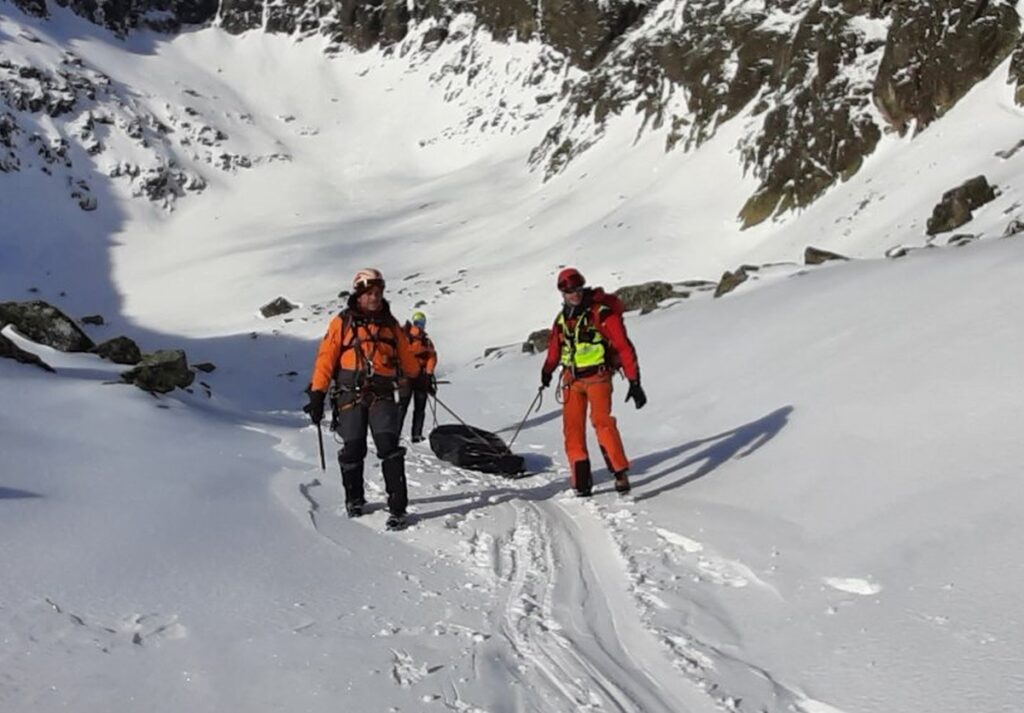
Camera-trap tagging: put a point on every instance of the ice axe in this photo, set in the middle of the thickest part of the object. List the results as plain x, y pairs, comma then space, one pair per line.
320, 442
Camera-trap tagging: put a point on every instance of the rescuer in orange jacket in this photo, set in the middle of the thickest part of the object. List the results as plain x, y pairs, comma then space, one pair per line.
363, 352
588, 339
425, 353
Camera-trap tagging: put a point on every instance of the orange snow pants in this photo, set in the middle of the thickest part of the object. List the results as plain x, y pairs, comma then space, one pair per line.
596, 391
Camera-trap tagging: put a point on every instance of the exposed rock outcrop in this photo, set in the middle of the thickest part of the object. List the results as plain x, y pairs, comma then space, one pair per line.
120, 350
161, 372
936, 51
731, 280
44, 324
277, 307
816, 256
645, 297
819, 79
10, 350
957, 205
537, 342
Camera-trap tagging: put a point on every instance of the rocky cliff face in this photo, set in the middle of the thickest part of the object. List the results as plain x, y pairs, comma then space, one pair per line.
817, 82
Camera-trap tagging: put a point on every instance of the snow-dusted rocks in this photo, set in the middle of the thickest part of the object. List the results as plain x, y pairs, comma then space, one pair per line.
957, 205
536, 342
10, 350
731, 279
161, 372
936, 51
45, 324
277, 306
816, 256
645, 297
120, 350
815, 85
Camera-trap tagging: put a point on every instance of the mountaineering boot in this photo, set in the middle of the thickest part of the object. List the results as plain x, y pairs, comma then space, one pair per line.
622, 482
581, 478
352, 482
354, 508
393, 468
417, 439
396, 522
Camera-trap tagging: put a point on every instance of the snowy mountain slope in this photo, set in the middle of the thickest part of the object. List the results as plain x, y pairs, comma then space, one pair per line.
825, 510
358, 185
825, 493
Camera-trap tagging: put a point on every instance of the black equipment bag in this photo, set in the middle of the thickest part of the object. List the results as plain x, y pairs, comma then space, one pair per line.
476, 449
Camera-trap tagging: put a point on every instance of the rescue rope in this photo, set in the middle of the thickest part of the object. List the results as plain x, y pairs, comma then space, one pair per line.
472, 430
538, 400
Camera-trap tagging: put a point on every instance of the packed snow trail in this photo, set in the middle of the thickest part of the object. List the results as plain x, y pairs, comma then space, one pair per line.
568, 627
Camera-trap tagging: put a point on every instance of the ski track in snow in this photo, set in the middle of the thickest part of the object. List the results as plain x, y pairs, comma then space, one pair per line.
573, 601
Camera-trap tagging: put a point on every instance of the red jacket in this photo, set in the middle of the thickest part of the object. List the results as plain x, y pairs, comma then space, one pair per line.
605, 312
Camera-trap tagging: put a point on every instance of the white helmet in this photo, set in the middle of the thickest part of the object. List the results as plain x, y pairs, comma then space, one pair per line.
367, 277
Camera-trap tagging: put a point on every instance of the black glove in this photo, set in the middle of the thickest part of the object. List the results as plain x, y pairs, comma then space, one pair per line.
636, 393
545, 379
424, 383
315, 407
431, 384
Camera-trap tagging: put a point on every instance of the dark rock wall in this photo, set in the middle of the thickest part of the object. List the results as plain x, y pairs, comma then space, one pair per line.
936, 51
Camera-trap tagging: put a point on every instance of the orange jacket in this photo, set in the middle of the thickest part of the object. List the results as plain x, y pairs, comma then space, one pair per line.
422, 348
357, 342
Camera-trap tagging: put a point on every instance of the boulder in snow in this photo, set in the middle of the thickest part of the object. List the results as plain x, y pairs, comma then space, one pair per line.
10, 350
537, 342
120, 350
645, 297
277, 307
731, 280
957, 205
161, 372
817, 256
1016, 226
44, 324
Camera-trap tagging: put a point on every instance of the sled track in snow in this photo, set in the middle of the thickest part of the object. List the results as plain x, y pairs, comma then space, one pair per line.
575, 624
566, 604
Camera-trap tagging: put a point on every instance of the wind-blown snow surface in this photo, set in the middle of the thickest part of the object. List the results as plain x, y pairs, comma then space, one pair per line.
827, 503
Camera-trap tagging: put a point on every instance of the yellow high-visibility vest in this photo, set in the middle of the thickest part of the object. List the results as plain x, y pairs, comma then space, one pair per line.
581, 348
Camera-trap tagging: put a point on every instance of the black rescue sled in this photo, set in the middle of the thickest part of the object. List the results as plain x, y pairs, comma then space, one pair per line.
474, 448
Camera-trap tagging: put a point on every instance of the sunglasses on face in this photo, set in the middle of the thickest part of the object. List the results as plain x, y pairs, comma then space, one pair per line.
368, 285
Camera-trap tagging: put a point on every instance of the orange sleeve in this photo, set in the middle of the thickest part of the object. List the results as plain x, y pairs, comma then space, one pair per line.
432, 359
327, 356
406, 359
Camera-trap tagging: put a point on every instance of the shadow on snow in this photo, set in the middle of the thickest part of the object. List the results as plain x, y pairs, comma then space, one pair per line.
15, 494
738, 442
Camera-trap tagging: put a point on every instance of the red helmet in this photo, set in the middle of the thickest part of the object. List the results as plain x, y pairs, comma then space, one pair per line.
570, 280
366, 278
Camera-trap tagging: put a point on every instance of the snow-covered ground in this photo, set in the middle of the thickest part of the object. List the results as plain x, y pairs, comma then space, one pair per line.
826, 504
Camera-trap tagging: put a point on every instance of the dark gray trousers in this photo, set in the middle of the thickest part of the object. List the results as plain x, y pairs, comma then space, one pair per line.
419, 410
377, 413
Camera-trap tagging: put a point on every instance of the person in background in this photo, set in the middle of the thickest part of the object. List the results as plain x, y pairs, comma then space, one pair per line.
425, 353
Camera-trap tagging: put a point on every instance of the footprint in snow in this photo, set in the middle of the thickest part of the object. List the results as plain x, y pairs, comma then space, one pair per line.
853, 585
406, 672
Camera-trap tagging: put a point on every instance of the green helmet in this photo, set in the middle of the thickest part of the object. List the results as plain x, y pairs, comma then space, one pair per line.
419, 319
